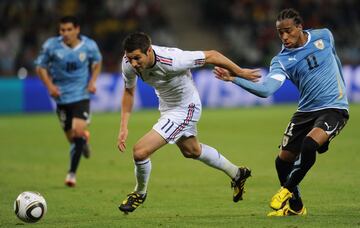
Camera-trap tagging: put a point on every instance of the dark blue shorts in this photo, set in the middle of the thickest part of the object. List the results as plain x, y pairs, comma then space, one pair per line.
66, 113
332, 121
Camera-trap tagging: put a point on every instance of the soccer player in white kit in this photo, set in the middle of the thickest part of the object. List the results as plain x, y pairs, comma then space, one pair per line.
168, 71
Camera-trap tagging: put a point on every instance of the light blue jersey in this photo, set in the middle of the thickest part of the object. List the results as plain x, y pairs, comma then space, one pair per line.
315, 70
69, 67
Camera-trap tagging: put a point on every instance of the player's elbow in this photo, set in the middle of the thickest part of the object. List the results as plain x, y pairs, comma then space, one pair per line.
264, 94
265, 90
212, 56
39, 70
129, 91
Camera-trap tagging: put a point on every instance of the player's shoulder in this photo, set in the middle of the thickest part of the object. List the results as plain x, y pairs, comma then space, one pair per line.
166, 55
52, 41
168, 52
281, 60
88, 41
126, 68
282, 53
125, 60
165, 49
125, 64
320, 33
275, 60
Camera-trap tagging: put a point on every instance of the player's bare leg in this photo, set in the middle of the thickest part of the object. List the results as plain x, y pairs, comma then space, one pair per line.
142, 151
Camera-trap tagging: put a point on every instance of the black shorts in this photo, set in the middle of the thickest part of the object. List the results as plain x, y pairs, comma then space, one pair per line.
330, 120
66, 113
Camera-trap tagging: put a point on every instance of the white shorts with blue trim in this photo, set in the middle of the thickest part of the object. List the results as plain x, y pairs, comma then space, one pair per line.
175, 123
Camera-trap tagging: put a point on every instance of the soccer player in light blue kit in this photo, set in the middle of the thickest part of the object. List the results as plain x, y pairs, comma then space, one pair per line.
69, 65
308, 58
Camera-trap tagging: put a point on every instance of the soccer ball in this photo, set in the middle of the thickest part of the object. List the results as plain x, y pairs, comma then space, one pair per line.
30, 206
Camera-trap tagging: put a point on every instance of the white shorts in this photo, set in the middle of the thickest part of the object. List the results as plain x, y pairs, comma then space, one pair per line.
178, 122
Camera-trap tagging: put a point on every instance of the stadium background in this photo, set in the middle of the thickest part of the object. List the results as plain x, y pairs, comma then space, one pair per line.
241, 29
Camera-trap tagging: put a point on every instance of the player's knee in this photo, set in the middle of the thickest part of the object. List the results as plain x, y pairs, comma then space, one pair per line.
191, 153
190, 150
287, 156
78, 133
308, 152
188, 154
140, 153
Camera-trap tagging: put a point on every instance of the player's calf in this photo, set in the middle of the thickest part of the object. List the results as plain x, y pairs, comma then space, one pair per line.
86, 149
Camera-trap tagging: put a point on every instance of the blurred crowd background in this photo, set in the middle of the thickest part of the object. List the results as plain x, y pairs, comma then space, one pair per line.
244, 30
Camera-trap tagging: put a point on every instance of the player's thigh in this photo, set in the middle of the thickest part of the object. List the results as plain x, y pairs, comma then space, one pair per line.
147, 145
174, 124
297, 129
78, 126
80, 117
328, 125
64, 115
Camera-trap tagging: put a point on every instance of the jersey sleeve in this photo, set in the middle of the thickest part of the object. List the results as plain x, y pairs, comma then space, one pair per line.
129, 75
94, 52
269, 85
43, 58
331, 38
276, 68
184, 60
262, 89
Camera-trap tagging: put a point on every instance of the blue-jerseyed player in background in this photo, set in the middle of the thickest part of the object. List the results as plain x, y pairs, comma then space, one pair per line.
308, 58
69, 65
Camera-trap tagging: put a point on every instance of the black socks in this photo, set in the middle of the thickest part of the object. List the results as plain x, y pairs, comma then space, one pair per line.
76, 153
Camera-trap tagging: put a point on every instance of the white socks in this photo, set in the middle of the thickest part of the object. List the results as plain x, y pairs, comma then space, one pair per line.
213, 158
210, 156
142, 174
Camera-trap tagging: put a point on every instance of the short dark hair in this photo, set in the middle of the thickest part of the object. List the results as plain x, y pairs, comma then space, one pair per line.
290, 13
137, 40
69, 19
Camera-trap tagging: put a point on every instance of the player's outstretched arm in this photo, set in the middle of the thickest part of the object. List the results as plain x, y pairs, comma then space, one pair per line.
267, 87
45, 78
126, 108
95, 71
218, 59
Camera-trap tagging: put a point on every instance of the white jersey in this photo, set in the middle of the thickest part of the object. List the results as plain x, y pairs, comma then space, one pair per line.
170, 76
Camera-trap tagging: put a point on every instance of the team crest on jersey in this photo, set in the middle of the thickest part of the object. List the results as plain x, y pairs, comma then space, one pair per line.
82, 56
319, 44
285, 140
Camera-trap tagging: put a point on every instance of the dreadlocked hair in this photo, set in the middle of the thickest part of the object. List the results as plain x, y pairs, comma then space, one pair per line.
290, 14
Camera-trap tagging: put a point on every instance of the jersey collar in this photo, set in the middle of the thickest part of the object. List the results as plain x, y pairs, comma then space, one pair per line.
79, 45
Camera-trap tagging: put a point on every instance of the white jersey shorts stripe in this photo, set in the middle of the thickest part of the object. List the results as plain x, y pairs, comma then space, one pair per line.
174, 124
183, 124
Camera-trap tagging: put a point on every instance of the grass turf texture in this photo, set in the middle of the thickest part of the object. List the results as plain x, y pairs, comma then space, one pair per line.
182, 192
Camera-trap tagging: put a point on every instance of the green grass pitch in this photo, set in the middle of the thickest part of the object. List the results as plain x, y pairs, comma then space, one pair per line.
182, 192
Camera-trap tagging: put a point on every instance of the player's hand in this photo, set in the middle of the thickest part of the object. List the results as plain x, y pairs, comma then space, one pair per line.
91, 87
253, 75
122, 139
223, 74
54, 91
